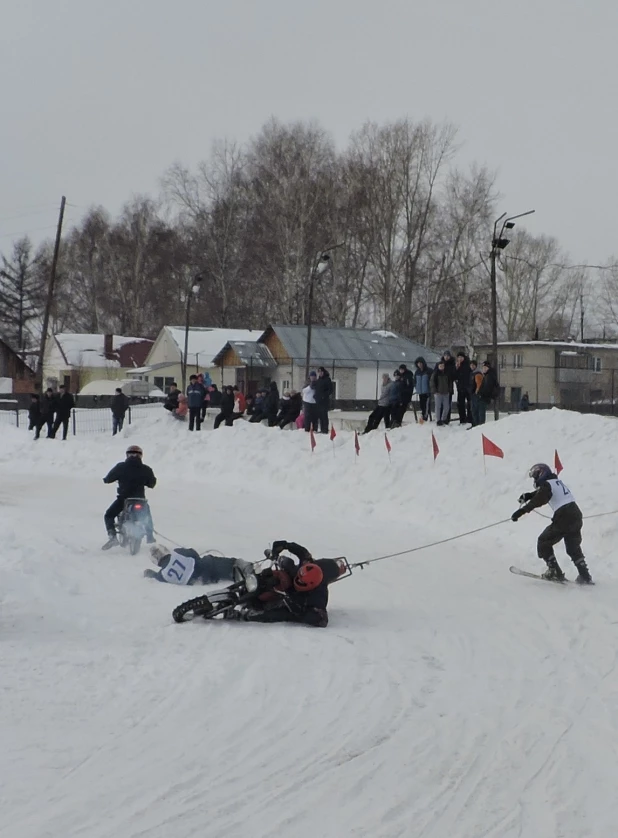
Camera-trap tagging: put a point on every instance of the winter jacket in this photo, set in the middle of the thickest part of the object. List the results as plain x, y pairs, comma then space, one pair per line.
395, 392
215, 398
133, 476
240, 403
476, 379
489, 386
407, 385
441, 383
227, 404
323, 389
120, 404
271, 402
450, 369
385, 394
195, 395
64, 405
291, 408
34, 414
309, 394
422, 378
171, 402
47, 406
463, 375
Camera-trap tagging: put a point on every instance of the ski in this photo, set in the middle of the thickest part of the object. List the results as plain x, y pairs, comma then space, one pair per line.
518, 572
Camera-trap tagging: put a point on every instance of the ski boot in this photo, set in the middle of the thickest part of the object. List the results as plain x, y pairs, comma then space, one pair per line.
584, 577
111, 542
554, 572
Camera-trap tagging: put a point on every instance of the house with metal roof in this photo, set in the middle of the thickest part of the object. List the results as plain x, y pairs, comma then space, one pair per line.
355, 358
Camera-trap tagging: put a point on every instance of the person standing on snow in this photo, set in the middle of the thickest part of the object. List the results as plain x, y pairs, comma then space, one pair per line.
566, 523
422, 382
383, 407
310, 411
120, 405
195, 399
441, 388
132, 476
323, 392
64, 405
463, 374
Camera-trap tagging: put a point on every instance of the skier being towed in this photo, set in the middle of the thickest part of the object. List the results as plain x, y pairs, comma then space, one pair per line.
566, 523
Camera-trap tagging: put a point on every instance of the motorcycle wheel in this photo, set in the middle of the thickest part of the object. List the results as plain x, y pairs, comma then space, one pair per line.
201, 606
134, 545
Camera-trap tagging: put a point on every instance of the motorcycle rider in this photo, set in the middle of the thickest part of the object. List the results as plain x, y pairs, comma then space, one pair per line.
185, 566
132, 476
296, 593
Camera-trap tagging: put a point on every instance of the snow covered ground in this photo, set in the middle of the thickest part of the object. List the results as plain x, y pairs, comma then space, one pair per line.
446, 699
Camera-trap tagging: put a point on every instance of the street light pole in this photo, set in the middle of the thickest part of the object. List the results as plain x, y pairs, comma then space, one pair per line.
499, 242
321, 264
193, 290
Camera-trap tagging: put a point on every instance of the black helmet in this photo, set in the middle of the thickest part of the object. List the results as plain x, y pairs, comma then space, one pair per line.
540, 472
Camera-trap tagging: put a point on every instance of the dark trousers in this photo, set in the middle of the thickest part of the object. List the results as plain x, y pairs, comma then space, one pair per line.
287, 419
64, 421
195, 418
482, 411
375, 417
463, 406
424, 405
221, 417
114, 511
322, 417
474, 409
310, 416
316, 617
566, 524
398, 412
231, 419
117, 423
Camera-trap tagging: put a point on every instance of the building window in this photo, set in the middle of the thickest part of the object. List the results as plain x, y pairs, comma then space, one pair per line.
515, 396
596, 364
518, 361
596, 396
502, 362
158, 382
169, 380
285, 385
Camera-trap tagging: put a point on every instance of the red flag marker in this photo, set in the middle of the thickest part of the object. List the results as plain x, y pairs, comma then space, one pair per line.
557, 464
387, 443
333, 433
312, 439
356, 445
490, 449
434, 445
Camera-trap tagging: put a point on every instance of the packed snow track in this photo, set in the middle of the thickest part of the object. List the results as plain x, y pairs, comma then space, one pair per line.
446, 699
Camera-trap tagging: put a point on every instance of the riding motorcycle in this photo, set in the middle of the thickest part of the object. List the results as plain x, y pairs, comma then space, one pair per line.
253, 584
133, 524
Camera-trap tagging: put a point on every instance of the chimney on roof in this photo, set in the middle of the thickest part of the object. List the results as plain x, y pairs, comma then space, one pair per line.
108, 347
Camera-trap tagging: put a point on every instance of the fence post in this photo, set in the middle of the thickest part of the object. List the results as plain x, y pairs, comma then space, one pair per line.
73, 422
537, 385
17, 417
377, 380
129, 414
613, 371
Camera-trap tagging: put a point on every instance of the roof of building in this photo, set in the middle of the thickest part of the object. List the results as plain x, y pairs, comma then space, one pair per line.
352, 347
82, 350
552, 344
250, 353
206, 343
26, 368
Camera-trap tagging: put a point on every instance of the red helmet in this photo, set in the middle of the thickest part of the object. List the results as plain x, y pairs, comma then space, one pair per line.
309, 576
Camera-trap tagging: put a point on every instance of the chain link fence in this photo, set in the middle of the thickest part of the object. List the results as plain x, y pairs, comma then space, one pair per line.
582, 389
85, 421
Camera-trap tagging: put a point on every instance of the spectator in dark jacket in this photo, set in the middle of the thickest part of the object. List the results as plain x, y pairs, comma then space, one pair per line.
171, 402
64, 405
406, 379
323, 392
120, 405
441, 388
35, 421
450, 369
271, 406
48, 410
383, 408
290, 409
195, 400
422, 383
464, 388
215, 396
476, 379
488, 391
227, 406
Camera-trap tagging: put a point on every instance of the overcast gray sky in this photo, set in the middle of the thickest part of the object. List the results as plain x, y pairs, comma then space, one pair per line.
99, 97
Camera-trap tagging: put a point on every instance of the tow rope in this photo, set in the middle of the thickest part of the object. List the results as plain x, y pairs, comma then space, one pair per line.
426, 546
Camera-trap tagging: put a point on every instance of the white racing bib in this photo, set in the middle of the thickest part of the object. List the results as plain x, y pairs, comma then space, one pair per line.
560, 494
178, 569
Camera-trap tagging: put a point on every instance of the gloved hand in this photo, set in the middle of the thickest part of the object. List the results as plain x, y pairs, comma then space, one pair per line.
278, 547
517, 515
525, 497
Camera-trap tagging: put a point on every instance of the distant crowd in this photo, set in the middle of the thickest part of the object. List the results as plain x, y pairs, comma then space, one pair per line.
453, 378
52, 410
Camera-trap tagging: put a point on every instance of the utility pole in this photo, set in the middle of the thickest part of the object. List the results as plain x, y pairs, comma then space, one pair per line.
50, 295
581, 316
321, 264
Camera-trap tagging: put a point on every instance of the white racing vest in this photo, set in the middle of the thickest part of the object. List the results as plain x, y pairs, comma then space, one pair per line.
178, 569
560, 494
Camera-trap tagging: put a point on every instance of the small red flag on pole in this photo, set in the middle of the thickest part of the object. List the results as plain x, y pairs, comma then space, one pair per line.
490, 449
312, 438
387, 443
356, 444
333, 433
434, 445
557, 464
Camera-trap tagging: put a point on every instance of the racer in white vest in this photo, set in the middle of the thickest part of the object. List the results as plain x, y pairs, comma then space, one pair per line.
566, 522
185, 566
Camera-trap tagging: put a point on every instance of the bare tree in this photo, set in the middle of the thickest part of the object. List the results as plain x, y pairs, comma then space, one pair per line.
21, 292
